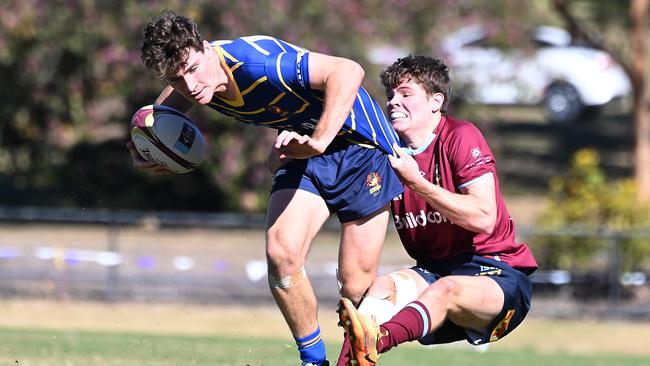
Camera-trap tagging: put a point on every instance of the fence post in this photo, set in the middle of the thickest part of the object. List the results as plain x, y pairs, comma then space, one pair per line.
614, 278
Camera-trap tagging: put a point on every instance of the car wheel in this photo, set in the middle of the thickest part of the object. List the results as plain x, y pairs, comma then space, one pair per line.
562, 103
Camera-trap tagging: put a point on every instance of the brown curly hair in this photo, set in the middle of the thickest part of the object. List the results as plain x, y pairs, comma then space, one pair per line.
166, 40
429, 72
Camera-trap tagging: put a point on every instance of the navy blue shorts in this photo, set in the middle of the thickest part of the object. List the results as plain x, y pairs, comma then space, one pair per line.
354, 181
516, 287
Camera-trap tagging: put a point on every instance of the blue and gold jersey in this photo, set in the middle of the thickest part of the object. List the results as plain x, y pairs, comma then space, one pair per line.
272, 83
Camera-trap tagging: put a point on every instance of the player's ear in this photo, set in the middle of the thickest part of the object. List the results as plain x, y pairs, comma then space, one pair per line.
436, 101
206, 46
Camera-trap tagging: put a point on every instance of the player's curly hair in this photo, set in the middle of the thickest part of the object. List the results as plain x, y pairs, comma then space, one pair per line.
431, 73
165, 42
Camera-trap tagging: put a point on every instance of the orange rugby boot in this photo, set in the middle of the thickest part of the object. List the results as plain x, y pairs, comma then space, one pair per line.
363, 332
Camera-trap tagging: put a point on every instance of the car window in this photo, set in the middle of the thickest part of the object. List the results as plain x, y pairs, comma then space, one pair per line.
542, 44
482, 43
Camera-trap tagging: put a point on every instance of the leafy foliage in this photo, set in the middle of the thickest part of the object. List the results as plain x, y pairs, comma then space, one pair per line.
72, 77
584, 200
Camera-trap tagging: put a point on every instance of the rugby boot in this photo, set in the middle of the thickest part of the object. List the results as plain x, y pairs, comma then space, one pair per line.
363, 332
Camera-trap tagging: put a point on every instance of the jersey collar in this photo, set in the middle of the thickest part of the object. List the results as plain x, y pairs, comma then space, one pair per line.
420, 149
239, 98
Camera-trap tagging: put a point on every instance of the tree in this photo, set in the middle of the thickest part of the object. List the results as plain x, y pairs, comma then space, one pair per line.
634, 65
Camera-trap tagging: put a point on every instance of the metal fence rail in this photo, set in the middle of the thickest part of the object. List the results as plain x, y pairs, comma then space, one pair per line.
112, 268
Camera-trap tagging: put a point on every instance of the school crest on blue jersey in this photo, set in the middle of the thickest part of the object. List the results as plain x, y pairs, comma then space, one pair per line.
273, 108
373, 182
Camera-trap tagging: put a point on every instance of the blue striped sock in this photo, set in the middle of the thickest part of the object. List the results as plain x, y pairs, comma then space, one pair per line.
311, 348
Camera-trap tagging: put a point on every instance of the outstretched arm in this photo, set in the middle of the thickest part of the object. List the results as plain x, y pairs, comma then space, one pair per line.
340, 79
172, 98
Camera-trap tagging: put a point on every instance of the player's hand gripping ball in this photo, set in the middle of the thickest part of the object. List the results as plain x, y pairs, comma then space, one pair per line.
168, 137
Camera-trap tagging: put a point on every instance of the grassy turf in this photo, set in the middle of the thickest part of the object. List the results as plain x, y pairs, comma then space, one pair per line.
34, 347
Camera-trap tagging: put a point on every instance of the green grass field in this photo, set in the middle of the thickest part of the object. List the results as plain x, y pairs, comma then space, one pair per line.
38, 347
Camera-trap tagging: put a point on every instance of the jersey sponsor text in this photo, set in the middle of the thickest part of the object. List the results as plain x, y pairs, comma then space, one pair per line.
410, 220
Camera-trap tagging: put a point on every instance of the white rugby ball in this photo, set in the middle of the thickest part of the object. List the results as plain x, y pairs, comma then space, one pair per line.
168, 137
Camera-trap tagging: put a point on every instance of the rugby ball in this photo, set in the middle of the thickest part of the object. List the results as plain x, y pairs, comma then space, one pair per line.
168, 137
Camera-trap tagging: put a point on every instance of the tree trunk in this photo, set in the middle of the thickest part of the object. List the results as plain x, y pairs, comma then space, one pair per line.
638, 17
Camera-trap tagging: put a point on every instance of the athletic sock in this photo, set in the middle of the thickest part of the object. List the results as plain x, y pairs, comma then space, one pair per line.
311, 348
409, 324
344, 356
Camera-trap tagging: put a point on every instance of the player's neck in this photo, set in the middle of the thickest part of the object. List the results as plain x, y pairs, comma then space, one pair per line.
231, 89
230, 93
418, 138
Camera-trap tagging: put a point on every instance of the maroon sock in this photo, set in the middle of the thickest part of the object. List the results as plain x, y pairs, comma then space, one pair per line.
344, 357
409, 324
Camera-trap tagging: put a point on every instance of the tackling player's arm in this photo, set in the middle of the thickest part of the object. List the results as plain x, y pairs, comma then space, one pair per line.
474, 210
339, 78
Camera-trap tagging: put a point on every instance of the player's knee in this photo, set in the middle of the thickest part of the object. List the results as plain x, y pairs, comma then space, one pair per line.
283, 256
353, 283
282, 262
447, 286
353, 290
442, 292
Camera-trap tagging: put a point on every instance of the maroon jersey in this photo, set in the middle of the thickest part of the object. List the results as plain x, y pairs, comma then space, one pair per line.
457, 156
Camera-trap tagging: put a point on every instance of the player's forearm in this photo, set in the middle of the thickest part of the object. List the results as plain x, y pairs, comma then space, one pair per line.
340, 87
464, 210
172, 98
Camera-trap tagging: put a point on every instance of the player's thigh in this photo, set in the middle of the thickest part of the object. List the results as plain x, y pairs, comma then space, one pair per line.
472, 301
293, 219
361, 243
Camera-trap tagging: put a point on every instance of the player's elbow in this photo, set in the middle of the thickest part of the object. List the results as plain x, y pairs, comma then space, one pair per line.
486, 224
353, 70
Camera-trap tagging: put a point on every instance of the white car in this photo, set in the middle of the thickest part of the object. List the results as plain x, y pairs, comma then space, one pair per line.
565, 78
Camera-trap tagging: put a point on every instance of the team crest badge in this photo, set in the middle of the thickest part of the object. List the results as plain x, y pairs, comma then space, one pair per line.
373, 182
502, 327
273, 108
476, 152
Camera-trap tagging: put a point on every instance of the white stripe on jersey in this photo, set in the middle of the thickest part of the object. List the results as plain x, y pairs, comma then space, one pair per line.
467, 184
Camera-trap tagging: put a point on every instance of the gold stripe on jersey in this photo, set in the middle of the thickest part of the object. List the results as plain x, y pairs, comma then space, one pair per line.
257, 111
378, 118
239, 98
236, 66
353, 118
366, 145
297, 48
276, 99
279, 45
227, 55
237, 111
250, 41
264, 123
277, 66
253, 41
254, 85
374, 134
